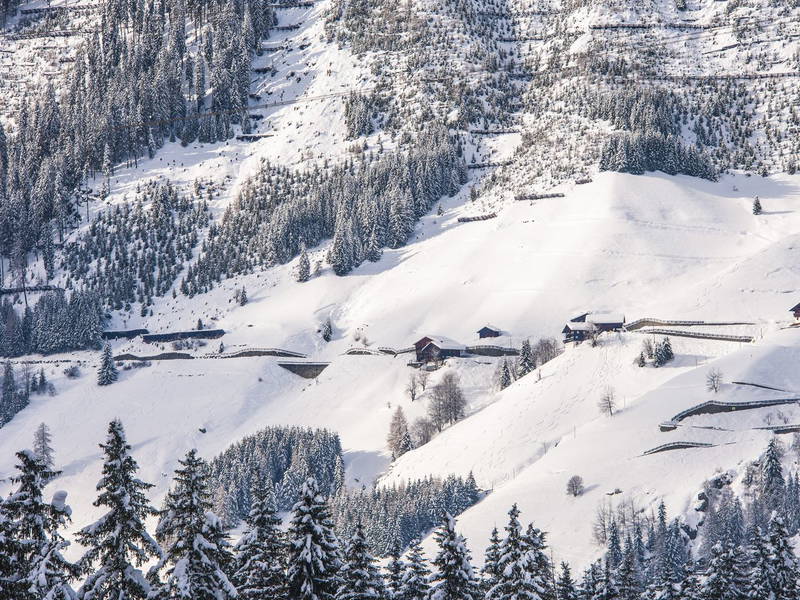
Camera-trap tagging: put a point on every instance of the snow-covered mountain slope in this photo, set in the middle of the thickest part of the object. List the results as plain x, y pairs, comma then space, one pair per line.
654, 246
538, 88
657, 246
608, 452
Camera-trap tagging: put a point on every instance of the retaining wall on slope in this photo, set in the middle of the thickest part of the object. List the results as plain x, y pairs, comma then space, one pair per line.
713, 407
676, 446
308, 370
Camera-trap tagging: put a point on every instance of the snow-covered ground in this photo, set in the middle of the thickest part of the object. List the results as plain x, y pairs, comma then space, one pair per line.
657, 246
646, 246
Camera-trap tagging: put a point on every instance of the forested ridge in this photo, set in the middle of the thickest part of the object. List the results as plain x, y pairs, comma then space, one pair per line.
155, 72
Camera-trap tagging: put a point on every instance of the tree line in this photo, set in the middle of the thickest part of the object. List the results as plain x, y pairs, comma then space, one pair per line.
58, 322
744, 552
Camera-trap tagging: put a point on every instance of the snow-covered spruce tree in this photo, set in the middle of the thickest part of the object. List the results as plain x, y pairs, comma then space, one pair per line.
118, 543
394, 572
541, 569
360, 578
565, 585
758, 586
314, 555
107, 373
773, 485
196, 548
414, 582
38, 568
590, 582
504, 378
42, 445
514, 572
724, 579
303, 266
491, 563
782, 563
261, 551
757, 206
527, 362
628, 576
453, 578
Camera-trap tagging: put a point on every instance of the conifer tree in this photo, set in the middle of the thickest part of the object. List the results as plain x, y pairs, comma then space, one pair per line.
38, 568
504, 379
757, 206
614, 555
527, 362
723, 577
303, 266
515, 580
118, 542
107, 373
42, 445
782, 562
758, 568
360, 578
606, 584
394, 572
414, 583
627, 577
565, 585
773, 484
542, 571
314, 555
261, 551
491, 563
195, 546
453, 578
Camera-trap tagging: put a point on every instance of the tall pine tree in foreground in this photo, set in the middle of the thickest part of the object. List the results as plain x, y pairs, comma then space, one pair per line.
394, 572
515, 581
414, 582
196, 547
38, 568
360, 578
782, 562
107, 372
565, 586
453, 578
314, 555
118, 542
490, 573
261, 551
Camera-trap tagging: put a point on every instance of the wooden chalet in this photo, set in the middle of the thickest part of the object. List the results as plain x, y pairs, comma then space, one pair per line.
795, 310
580, 327
436, 348
489, 331
576, 331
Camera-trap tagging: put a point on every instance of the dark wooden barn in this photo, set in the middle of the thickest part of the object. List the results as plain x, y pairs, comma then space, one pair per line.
489, 331
795, 310
436, 348
576, 331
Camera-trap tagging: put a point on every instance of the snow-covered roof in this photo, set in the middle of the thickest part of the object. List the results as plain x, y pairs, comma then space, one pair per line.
605, 318
492, 327
445, 343
578, 326
795, 308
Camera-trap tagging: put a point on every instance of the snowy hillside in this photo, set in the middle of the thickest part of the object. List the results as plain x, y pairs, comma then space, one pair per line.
395, 172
